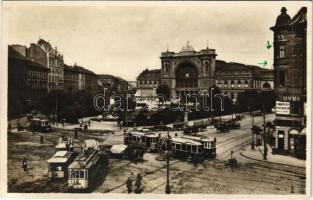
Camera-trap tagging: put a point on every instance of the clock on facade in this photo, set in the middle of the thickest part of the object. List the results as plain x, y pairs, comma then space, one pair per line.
281, 37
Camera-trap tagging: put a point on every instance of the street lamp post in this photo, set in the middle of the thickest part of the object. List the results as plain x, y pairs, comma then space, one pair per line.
252, 131
168, 188
264, 138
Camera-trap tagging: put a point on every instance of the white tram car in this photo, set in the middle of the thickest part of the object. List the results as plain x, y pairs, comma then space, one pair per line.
59, 162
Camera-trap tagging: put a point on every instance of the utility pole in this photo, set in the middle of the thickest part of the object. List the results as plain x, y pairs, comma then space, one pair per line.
126, 110
252, 131
56, 106
264, 139
168, 188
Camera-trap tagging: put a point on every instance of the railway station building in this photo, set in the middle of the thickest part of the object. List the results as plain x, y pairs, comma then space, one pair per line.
194, 72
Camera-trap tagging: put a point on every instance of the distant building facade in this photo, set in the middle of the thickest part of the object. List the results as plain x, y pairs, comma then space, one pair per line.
290, 38
27, 81
71, 81
194, 72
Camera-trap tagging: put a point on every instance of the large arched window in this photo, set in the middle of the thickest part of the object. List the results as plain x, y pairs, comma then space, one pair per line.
186, 76
266, 85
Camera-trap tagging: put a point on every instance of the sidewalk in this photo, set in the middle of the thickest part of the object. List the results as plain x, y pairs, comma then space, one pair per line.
257, 154
95, 126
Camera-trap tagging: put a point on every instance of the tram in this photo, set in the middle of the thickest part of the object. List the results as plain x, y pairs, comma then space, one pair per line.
187, 149
40, 125
209, 146
142, 140
83, 170
59, 162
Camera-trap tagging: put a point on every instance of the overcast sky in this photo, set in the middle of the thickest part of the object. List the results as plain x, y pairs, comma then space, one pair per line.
123, 40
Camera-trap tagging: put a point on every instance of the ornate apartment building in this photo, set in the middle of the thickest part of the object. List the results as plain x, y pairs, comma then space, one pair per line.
194, 72
290, 45
43, 53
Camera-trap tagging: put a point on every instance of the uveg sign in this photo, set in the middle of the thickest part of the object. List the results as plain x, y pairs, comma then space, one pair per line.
291, 98
282, 108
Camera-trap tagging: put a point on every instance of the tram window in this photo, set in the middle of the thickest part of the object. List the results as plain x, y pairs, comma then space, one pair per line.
178, 146
189, 148
194, 148
59, 168
72, 174
81, 174
76, 174
184, 147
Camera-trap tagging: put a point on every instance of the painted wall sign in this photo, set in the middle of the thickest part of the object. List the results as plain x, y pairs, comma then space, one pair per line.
291, 98
282, 108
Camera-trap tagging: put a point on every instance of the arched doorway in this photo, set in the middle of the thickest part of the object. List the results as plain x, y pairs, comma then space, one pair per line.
186, 76
266, 85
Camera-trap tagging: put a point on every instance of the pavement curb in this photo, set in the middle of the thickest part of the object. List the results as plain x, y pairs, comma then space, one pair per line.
266, 161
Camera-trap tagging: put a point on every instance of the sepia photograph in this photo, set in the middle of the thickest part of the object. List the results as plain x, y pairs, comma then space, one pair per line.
156, 98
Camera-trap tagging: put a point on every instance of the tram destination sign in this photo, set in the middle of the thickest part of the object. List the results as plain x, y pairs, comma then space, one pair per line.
282, 108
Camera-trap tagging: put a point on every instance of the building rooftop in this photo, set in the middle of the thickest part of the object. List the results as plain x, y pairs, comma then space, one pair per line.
154, 73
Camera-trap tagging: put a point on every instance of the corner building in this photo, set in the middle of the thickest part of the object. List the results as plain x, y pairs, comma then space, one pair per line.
290, 82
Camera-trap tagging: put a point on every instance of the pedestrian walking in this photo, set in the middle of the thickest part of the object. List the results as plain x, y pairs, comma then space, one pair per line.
18, 127
138, 188
63, 122
24, 164
85, 128
76, 133
41, 139
81, 124
89, 122
129, 185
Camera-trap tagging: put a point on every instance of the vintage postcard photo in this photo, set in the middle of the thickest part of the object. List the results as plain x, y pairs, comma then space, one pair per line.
156, 99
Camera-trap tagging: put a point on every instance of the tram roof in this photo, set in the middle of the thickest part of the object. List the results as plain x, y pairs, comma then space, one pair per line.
196, 138
147, 134
85, 160
60, 157
185, 141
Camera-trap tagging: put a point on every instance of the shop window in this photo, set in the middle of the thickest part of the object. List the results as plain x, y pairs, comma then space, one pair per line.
282, 51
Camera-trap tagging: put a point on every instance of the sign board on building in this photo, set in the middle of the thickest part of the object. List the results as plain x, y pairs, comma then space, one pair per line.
282, 108
291, 98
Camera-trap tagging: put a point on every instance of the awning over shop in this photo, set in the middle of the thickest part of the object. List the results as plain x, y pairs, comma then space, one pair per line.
303, 132
147, 92
293, 132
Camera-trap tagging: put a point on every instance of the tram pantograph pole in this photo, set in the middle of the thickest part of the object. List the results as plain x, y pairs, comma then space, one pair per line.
168, 188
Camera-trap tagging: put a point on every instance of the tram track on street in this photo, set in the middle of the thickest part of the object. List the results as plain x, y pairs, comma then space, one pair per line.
236, 148
213, 177
145, 174
232, 139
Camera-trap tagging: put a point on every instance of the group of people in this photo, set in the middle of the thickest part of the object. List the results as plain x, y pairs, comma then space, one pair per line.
138, 185
136, 155
85, 125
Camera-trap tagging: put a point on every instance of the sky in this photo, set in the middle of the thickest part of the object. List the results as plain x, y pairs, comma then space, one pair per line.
125, 38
